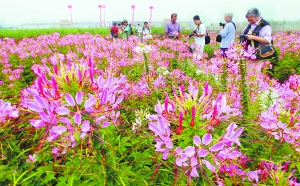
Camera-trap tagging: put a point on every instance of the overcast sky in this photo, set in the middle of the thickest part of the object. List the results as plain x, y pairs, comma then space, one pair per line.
20, 11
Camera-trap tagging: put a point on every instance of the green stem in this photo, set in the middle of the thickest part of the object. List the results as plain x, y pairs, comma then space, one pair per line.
244, 89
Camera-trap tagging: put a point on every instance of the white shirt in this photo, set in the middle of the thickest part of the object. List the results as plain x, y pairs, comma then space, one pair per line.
146, 31
139, 29
201, 30
265, 32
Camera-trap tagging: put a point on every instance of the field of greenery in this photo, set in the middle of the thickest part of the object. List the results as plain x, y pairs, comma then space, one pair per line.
34, 33
79, 108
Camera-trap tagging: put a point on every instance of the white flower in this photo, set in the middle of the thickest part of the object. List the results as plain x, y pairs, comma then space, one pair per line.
166, 72
198, 72
143, 48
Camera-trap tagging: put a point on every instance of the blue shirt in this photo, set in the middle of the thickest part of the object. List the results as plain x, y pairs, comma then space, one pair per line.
228, 35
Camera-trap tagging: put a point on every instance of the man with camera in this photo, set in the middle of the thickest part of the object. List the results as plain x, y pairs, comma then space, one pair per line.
125, 29
199, 34
227, 33
257, 33
172, 29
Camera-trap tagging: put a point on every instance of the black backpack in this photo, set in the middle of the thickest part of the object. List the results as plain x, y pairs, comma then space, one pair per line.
144, 29
130, 30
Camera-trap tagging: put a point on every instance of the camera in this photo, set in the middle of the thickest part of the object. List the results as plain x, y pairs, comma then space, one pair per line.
222, 24
194, 32
243, 38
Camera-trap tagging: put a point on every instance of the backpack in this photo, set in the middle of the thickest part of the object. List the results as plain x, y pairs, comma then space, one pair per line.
130, 30
148, 28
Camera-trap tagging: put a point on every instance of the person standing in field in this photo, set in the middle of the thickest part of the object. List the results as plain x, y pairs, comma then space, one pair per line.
257, 32
138, 30
125, 29
200, 34
114, 31
172, 29
146, 31
227, 33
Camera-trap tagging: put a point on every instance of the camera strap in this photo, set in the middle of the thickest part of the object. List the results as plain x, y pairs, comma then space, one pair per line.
252, 42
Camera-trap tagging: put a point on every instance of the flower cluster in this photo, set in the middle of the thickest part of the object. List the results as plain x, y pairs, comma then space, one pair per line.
70, 117
7, 111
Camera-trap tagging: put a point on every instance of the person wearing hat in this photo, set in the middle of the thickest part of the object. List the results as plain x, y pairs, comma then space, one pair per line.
199, 34
125, 29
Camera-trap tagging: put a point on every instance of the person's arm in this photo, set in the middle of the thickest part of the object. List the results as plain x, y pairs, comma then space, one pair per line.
264, 38
224, 32
179, 31
166, 31
256, 38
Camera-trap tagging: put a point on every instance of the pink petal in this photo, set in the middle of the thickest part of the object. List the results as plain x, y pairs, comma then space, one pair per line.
98, 120
62, 111
230, 128
216, 147
202, 153
119, 100
105, 124
209, 165
193, 112
78, 98
104, 97
194, 161
32, 91
206, 139
237, 133
70, 100
178, 150
33, 106
155, 129
39, 101
89, 109
37, 123
59, 129
44, 116
194, 172
161, 125
91, 101
197, 140
85, 127
77, 118
153, 117
189, 151
65, 120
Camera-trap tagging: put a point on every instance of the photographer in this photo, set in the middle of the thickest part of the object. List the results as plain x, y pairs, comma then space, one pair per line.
125, 29
227, 33
257, 32
199, 34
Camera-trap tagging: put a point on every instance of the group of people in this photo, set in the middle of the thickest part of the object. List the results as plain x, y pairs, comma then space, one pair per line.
126, 30
257, 32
